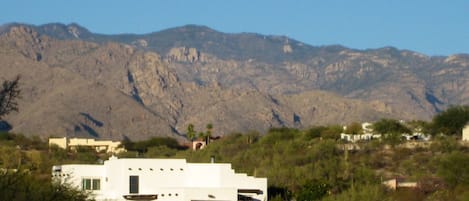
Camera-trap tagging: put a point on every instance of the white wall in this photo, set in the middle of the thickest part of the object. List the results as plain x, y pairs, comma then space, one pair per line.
73, 174
60, 142
465, 133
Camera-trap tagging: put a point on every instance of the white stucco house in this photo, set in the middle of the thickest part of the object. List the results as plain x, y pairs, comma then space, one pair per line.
366, 135
359, 137
161, 179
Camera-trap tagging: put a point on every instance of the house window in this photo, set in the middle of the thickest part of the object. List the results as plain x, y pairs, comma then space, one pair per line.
96, 184
91, 184
86, 184
133, 184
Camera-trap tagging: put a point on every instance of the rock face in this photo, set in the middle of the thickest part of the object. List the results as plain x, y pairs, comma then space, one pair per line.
77, 83
79, 88
183, 54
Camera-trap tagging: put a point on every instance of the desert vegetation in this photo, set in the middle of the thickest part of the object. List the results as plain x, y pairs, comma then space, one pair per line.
307, 164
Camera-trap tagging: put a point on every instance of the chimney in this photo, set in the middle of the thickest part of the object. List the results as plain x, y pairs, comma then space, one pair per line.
212, 159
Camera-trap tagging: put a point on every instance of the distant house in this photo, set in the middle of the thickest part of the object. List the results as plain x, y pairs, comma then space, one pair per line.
122, 179
201, 143
198, 144
367, 134
99, 145
367, 127
359, 137
417, 136
399, 183
465, 133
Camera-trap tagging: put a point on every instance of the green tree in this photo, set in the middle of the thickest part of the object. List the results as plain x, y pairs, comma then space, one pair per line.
390, 126
8, 95
202, 135
327, 162
191, 132
314, 132
208, 133
313, 190
360, 193
354, 128
332, 132
418, 126
143, 146
277, 135
392, 139
25, 187
451, 121
279, 193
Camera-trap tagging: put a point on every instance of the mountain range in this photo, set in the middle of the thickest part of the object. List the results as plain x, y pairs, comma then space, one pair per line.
78, 83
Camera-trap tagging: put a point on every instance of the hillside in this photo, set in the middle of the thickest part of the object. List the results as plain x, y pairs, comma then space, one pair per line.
79, 83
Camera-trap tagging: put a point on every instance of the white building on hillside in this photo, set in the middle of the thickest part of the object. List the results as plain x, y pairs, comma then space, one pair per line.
161, 179
367, 127
465, 133
367, 134
359, 137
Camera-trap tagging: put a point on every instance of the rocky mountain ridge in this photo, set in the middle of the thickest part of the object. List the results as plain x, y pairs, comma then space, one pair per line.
137, 86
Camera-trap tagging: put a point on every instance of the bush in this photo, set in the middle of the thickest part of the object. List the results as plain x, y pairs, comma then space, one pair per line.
444, 144
451, 121
143, 146
354, 128
453, 168
276, 135
360, 193
390, 126
313, 190
314, 132
24, 187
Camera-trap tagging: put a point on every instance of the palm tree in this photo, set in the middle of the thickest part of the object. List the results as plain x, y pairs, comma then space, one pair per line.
202, 135
190, 132
209, 133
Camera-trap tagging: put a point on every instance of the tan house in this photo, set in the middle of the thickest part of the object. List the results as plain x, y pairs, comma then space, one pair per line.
399, 183
99, 145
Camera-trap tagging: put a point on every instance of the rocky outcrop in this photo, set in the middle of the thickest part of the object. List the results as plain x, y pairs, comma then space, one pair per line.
26, 40
287, 48
140, 43
155, 85
184, 54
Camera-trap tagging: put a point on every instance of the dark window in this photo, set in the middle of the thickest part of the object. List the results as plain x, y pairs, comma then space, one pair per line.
91, 184
96, 184
133, 181
86, 184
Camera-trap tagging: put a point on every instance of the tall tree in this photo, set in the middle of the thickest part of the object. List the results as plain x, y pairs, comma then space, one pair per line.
190, 132
390, 126
451, 121
8, 95
208, 134
354, 128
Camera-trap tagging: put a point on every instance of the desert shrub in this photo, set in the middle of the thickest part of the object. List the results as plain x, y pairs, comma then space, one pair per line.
360, 193
20, 186
453, 168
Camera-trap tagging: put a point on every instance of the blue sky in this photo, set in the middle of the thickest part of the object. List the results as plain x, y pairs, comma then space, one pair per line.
428, 26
